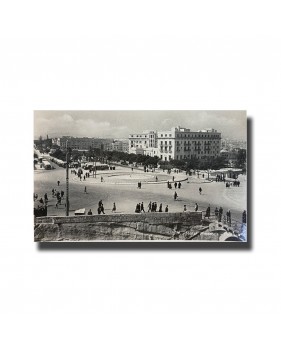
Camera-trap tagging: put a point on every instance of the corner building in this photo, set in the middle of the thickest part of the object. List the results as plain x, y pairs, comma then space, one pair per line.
178, 143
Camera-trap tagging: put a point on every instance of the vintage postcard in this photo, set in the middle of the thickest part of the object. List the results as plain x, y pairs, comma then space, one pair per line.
140, 176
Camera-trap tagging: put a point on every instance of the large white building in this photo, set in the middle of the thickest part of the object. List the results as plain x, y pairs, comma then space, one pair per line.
178, 143
144, 143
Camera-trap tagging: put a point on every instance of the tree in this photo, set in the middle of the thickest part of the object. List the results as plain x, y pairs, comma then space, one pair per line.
241, 159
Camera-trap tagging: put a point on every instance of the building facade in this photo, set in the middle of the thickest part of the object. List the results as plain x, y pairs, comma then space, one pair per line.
84, 143
144, 143
118, 145
178, 143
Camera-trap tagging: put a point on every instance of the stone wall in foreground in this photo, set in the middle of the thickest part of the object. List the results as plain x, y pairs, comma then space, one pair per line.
148, 226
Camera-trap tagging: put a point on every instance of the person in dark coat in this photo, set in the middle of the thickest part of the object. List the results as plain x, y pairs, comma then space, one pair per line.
175, 196
196, 207
102, 209
216, 212
160, 208
90, 212
166, 209
228, 217
220, 213
114, 208
208, 211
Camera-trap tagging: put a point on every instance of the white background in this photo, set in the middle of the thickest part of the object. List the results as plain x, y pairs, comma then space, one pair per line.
139, 55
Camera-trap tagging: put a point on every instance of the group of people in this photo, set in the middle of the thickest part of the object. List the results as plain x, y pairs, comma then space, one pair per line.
218, 213
152, 208
236, 183
176, 185
220, 178
101, 209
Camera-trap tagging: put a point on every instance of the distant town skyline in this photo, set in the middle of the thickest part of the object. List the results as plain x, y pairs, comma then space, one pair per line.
119, 124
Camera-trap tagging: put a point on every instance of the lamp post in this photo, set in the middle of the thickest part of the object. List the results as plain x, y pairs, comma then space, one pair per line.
67, 181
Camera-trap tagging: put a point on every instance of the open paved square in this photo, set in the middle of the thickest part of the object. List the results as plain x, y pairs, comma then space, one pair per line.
120, 186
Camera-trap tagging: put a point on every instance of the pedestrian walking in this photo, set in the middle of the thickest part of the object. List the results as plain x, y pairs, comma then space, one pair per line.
196, 207
228, 217
220, 213
175, 196
166, 209
160, 208
138, 208
102, 209
149, 206
184, 208
114, 208
208, 212
142, 208
85, 190
200, 190
58, 183
216, 212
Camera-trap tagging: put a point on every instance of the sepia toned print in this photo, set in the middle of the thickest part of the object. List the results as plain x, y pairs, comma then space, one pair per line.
140, 176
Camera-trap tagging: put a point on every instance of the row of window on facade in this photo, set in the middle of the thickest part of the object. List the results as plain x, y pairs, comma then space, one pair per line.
197, 136
142, 136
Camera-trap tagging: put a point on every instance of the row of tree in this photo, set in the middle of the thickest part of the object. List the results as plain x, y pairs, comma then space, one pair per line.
129, 158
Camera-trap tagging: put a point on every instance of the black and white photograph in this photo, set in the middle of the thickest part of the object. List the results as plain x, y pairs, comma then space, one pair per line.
140, 164
140, 176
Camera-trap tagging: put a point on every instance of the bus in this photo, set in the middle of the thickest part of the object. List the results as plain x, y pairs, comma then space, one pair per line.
46, 165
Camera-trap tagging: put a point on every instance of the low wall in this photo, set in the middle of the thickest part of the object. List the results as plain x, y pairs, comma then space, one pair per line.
145, 226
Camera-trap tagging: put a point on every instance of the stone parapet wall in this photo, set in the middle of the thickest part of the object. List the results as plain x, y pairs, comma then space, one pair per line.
146, 226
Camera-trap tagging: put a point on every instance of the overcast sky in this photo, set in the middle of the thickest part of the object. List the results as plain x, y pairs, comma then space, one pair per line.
119, 124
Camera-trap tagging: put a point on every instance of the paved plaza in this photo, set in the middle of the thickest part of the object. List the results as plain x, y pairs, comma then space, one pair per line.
121, 186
